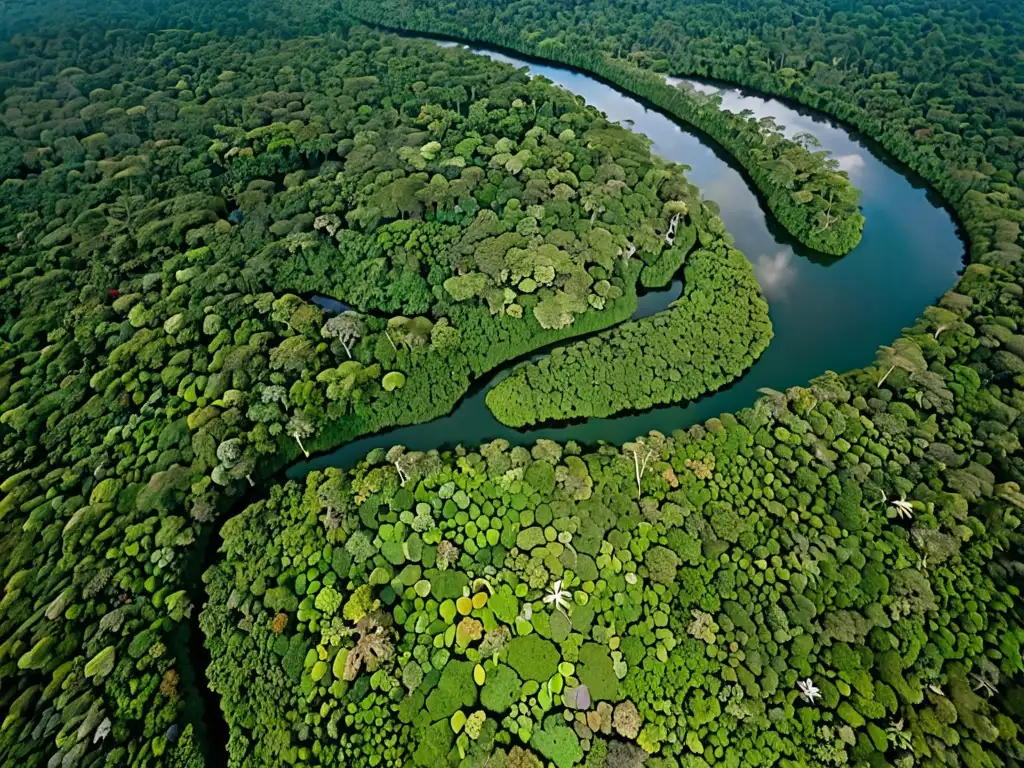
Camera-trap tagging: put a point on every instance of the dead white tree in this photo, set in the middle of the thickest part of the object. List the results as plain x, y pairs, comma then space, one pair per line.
901, 508
808, 690
825, 217
397, 456
299, 427
670, 236
987, 687
904, 354
643, 450
347, 328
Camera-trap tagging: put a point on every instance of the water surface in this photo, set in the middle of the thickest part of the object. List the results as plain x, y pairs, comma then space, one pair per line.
827, 313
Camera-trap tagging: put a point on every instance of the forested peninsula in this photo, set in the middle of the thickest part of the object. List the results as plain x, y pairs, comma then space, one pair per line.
706, 339
939, 88
828, 577
157, 362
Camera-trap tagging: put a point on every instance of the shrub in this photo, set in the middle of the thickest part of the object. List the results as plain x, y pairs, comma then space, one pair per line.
557, 743
661, 564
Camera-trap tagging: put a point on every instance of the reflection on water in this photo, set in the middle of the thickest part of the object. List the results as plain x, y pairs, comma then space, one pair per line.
776, 274
827, 314
851, 164
790, 121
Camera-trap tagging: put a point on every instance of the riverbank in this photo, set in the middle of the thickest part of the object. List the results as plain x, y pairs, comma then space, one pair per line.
827, 314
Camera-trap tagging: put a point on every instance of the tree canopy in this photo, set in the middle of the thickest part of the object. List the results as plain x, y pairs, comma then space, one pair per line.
828, 577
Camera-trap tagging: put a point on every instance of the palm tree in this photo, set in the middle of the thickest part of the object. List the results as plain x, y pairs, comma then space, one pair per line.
781, 172
558, 597
901, 507
897, 736
987, 687
904, 354
808, 690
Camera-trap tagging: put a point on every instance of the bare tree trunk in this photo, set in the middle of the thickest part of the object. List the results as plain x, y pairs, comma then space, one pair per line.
670, 236
881, 381
347, 347
829, 218
639, 473
299, 441
640, 467
392, 342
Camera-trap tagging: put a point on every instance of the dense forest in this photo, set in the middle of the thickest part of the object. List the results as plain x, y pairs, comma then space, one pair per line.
167, 199
706, 339
829, 577
801, 184
938, 84
810, 582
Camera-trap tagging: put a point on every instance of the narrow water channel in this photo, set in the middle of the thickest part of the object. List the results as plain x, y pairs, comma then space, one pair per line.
828, 314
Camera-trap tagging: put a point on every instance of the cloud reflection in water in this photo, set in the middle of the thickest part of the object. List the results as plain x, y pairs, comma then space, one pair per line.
850, 163
776, 274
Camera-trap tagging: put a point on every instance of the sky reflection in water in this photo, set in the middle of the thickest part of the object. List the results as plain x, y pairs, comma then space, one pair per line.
827, 314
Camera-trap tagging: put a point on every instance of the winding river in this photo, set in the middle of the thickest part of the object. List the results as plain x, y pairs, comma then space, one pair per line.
828, 314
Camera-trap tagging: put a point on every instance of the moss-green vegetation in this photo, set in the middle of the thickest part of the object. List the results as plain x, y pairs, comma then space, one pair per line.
161, 210
809, 583
703, 341
909, 76
803, 186
828, 578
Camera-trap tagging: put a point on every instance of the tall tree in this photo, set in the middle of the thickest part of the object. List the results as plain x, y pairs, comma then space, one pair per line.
346, 328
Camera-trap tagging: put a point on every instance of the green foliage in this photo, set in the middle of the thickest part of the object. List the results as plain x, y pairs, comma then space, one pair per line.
703, 341
557, 743
661, 564
162, 212
164, 193
597, 672
456, 690
533, 657
712, 597
392, 381
102, 664
501, 690
804, 187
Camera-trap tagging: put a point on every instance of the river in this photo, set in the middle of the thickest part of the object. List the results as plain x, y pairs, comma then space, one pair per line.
828, 314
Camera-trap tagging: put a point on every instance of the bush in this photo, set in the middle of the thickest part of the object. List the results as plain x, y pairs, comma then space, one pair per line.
455, 690
557, 743
597, 672
661, 564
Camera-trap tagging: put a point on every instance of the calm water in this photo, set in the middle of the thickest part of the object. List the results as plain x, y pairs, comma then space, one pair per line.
827, 314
